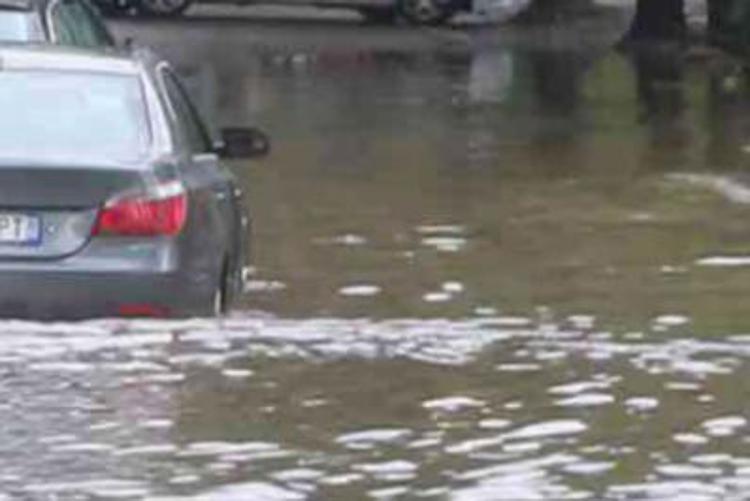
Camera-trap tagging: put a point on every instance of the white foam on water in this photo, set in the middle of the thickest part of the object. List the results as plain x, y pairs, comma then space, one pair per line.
250, 491
387, 467
485, 311
360, 290
713, 459
147, 450
84, 448
726, 186
237, 373
672, 320
446, 229
519, 367
582, 321
549, 429
580, 387
437, 297
724, 261
342, 479
298, 474
686, 470
104, 488
586, 400
641, 404
453, 287
445, 244
683, 386
522, 447
673, 489
453, 404
347, 239
255, 286
388, 492
156, 424
367, 439
725, 422
198, 449
690, 439
494, 424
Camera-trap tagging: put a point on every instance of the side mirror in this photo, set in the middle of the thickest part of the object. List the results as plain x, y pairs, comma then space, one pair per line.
243, 142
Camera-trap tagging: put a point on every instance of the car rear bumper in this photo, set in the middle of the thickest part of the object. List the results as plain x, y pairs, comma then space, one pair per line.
103, 281
69, 296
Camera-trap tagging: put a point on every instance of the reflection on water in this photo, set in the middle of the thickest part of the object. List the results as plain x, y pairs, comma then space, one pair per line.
263, 408
488, 271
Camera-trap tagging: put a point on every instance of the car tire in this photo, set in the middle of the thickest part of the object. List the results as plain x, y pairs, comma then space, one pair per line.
163, 8
426, 12
216, 303
218, 306
115, 8
379, 15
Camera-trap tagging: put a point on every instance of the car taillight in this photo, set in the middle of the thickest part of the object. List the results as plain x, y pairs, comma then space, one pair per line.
144, 216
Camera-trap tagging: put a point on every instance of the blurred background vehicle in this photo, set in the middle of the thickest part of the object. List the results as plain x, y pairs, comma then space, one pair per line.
421, 12
65, 22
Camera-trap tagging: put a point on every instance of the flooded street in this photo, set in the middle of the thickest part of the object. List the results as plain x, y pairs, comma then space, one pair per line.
488, 265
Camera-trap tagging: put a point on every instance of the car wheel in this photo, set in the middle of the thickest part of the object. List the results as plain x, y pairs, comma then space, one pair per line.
379, 15
426, 12
163, 8
216, 303
115, 8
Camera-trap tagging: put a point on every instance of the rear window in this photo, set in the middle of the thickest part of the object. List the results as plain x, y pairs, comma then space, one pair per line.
72, 117
19, 26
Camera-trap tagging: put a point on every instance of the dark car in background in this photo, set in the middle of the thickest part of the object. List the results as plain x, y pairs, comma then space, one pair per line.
423, 12
65, 22
113, 199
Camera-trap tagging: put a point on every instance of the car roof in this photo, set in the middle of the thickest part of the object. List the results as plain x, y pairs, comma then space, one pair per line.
22, 4
46, 57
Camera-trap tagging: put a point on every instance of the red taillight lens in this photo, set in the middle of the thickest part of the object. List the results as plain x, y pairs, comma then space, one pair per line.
143, 217
142, 310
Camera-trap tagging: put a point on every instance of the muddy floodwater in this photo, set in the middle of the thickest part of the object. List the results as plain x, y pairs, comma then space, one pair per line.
487, 266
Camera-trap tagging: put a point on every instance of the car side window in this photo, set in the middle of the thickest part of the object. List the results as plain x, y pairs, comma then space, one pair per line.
76, 23
99, 31
196, 136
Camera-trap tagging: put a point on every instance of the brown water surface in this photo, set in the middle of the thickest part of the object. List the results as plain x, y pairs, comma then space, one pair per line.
484, 269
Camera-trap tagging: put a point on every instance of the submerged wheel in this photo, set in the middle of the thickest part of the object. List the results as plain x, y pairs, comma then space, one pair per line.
379, 15
426, 12
218, 307
163, 8
216, 303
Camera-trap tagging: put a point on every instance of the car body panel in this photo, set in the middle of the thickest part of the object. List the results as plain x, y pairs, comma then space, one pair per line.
74, 273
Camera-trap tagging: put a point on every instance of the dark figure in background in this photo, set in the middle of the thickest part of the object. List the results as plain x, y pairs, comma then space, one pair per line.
660, 85
728, 23
659, 19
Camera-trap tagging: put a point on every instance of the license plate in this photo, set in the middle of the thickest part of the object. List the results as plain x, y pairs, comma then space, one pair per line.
20, 229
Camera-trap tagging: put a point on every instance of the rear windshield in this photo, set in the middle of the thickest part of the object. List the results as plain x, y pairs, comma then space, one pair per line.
72, 117
19, 26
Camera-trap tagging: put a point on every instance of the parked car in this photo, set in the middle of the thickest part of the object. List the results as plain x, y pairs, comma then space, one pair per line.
424, 12
65, 22
113, 198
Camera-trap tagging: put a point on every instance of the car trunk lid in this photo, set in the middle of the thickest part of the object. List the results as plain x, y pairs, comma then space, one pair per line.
49, 212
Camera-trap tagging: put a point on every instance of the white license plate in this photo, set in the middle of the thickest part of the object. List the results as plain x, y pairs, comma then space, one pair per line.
20, 229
